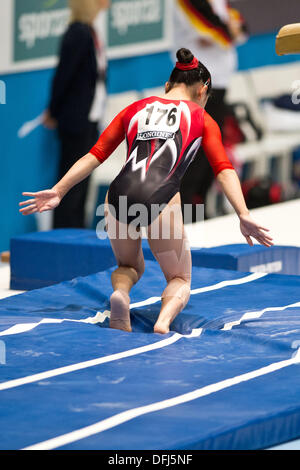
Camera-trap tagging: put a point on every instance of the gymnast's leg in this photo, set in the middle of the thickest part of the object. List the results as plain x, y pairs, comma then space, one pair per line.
169, 245
130, 260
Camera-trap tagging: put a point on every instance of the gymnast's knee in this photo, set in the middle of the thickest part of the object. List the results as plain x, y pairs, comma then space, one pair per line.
180, 288
135, 271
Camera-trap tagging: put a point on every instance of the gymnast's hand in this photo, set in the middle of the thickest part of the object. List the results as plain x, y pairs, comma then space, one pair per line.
40, 201
250, 228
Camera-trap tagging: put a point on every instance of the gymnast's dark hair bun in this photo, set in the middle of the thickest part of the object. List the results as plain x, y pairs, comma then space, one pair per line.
184, 56
189, 77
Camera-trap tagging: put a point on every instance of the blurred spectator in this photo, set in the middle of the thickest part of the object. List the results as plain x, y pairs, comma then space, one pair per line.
210, 29
77, 101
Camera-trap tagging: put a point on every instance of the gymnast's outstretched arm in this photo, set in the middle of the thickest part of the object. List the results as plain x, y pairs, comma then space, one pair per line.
230, 183
48, 199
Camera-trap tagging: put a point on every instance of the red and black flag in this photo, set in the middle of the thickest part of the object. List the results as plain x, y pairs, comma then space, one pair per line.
201, 14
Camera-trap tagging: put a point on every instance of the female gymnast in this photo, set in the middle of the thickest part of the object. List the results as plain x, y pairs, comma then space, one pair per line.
163, 135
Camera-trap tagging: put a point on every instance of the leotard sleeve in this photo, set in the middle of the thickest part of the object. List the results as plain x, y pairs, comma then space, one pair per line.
213, 146
110, 138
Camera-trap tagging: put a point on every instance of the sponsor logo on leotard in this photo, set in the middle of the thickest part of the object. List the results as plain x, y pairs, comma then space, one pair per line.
155, 135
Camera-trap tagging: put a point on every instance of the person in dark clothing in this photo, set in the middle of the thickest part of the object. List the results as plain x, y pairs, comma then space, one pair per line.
77, 101
199, 177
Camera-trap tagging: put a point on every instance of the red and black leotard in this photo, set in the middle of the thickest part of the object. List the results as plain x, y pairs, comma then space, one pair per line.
163, 137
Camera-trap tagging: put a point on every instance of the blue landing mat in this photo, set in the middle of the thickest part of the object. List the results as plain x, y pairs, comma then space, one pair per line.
225, 377
44, 258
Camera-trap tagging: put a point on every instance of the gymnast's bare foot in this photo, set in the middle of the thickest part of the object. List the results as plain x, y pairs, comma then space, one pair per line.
119, 311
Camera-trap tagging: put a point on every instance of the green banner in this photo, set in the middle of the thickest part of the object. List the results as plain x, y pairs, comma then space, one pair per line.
135, 22
131, 27
38, 26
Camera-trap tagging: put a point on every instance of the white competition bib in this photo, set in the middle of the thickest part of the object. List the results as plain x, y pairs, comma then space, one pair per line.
158, 121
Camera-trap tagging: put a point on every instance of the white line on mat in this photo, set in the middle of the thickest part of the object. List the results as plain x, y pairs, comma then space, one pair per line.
101, 316
257, 314
128, 415
95, 362
131, 352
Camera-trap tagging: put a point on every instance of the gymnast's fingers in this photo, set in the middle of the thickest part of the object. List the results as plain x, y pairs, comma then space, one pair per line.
261, 231
29, 201
264, 237
263, 241
29, 194
27, 209
249, 241
30, 211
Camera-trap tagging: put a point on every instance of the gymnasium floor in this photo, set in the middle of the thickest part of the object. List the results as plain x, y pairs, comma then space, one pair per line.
92, 423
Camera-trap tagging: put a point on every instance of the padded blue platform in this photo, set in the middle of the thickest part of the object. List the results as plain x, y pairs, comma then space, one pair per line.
44, 258
242, 257
219, 388
41, 259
